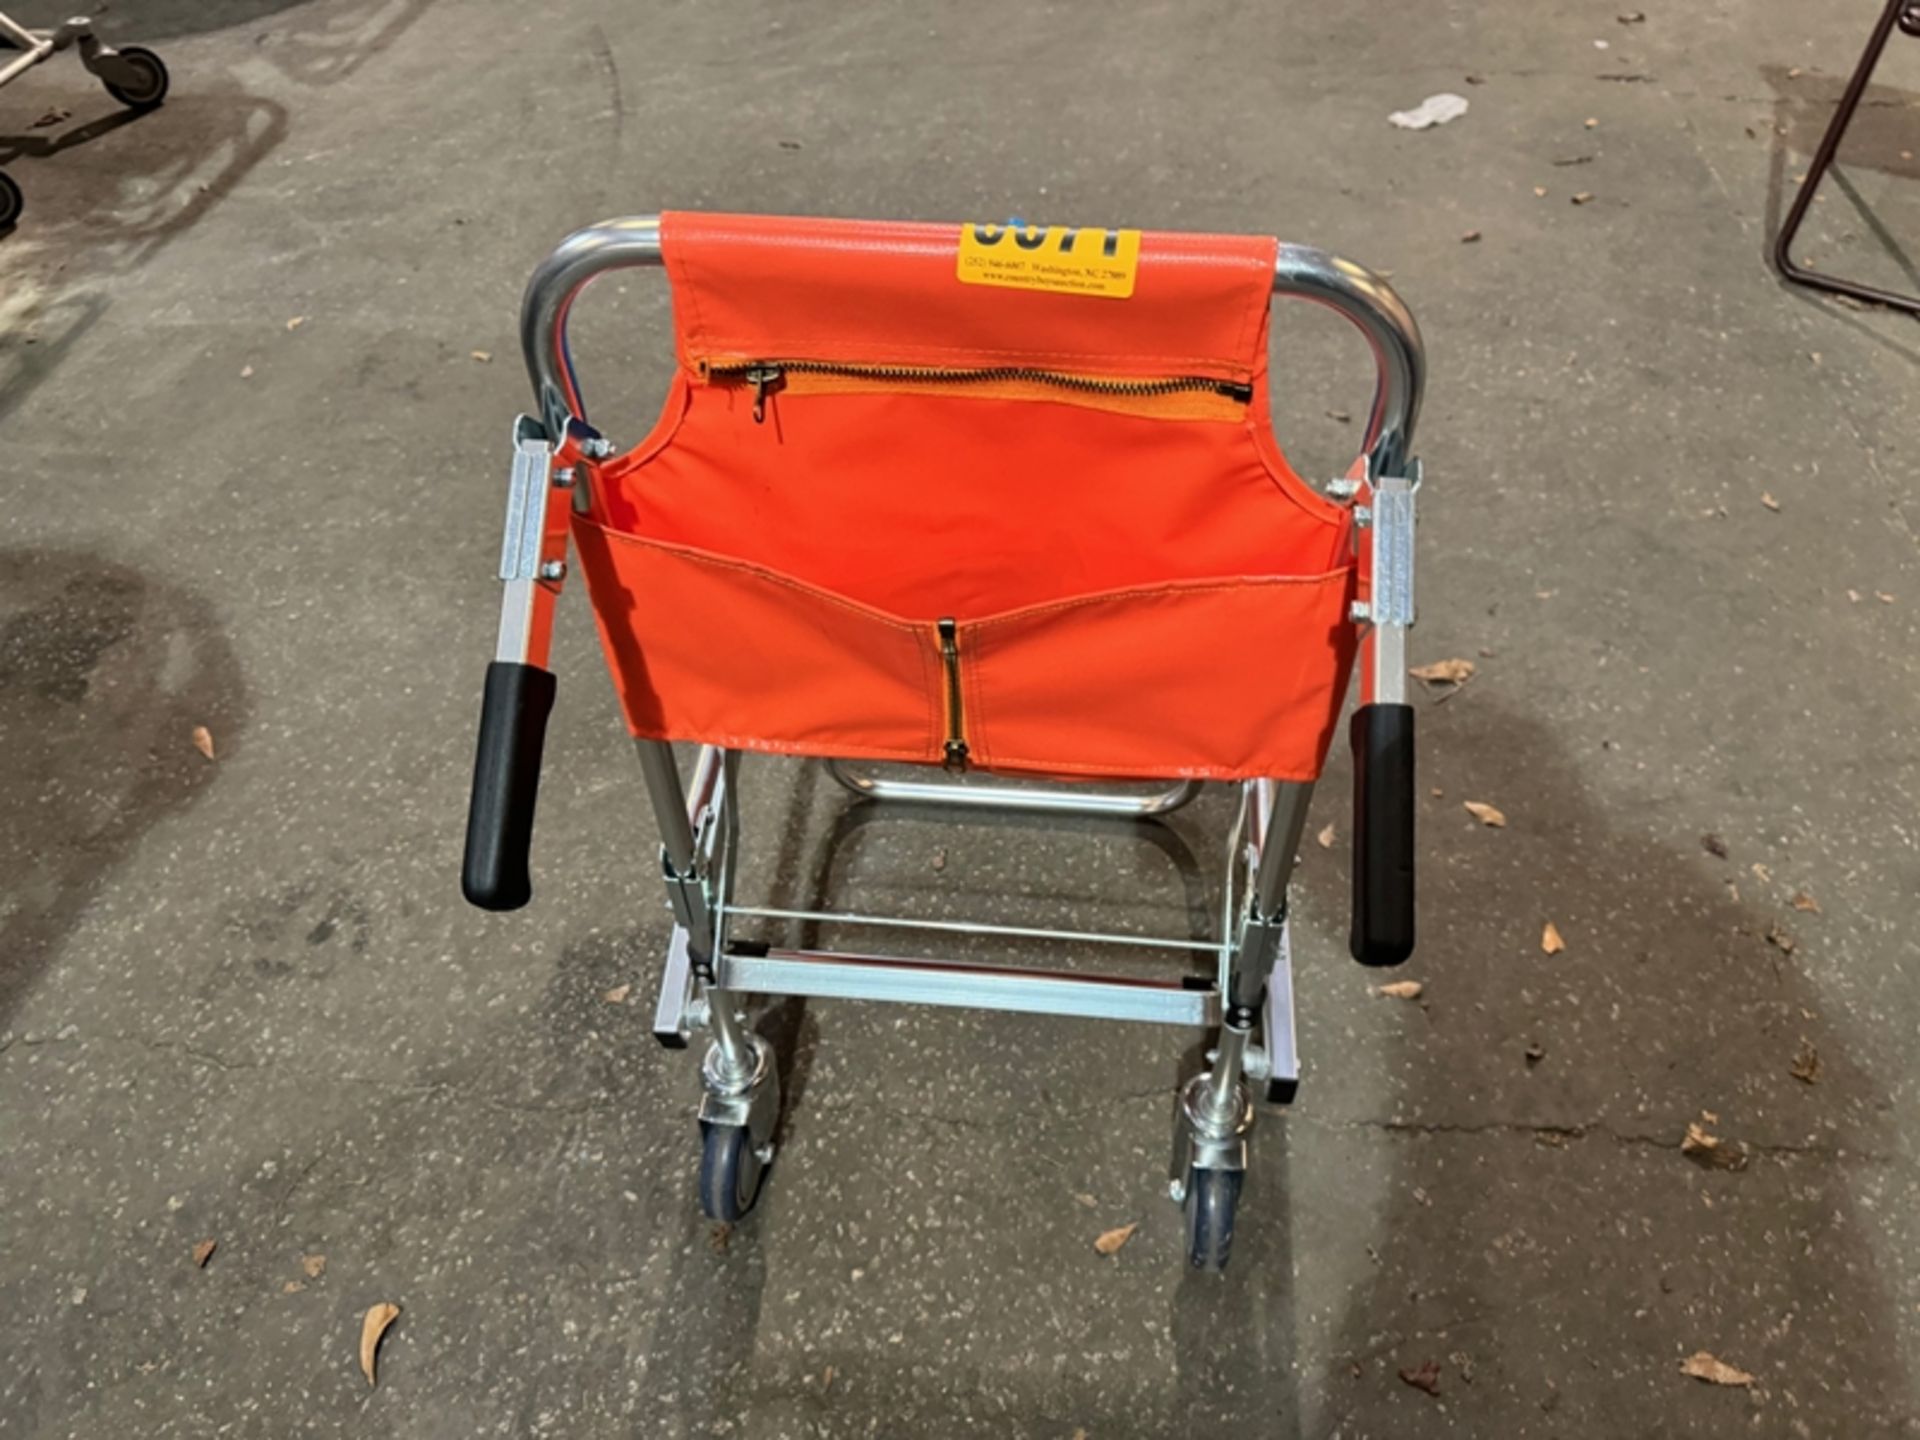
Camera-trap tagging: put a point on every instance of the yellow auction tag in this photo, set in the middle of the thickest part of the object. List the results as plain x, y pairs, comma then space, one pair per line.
1065, 258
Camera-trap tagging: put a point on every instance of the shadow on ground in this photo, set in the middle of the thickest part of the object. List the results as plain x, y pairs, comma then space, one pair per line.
104, 675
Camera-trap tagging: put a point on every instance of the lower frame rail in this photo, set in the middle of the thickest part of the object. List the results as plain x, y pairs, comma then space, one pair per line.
828, 976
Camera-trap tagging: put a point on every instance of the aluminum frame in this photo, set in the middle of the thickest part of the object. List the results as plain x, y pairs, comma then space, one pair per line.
1250, 997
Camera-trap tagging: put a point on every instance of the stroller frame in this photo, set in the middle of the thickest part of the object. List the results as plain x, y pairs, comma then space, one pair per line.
708, 973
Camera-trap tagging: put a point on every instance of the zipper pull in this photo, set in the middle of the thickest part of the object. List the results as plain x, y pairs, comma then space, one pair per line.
956, 746
765, 379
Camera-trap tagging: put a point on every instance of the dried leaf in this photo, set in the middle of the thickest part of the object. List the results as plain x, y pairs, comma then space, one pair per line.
1470, 238
1768, 501
1709, 1152
246, 372
1714, 845
1883, 597
1806, 1064
826, 1379
1854, 596
1444, 672
1111, 1240
1582, 197
1343, 416
1780, 939
296, 322
1761, 873
483, 356
1803, 901
1085, 1199
378, 1318
314, 1265
1400, 990
1591, 123
1632, 17
1426, 1377
1325, 837
203, 740
719, 1238
203, 1252
618, 994
1485, 814
1534, 1053
52, 117
1703, 1366
939, 859
1550, 940
1541, 191
293, 1287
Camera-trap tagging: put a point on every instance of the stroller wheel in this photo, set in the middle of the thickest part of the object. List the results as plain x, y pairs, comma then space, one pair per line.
1212, 1198
730, 1172
148, 87
12, 202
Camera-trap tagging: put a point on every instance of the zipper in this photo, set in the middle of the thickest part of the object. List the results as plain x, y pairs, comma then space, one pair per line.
768, 376
956, 747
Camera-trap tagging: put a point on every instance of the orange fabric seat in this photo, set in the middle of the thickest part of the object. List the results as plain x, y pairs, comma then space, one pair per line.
886, 514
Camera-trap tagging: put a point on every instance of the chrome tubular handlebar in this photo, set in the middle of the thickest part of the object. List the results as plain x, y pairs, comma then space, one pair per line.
1299, 271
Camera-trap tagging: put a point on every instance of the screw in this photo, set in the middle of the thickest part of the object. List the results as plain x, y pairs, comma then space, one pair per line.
597, 448
1343, 489
1177, 1189
553, 570
1361, 612
563, 478
1362, 516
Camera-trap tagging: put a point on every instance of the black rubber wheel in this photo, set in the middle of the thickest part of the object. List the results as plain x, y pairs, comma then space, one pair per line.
152, 88
730, 1172
12, 202
1212, 1198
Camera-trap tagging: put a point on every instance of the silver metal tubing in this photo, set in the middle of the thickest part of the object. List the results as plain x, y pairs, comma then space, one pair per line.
583, 256
1399, 355
974, 927
1280, 844
1037, 800
1224, 1098
820, 975
662, 775
1299, 270
730, 1041
706, 773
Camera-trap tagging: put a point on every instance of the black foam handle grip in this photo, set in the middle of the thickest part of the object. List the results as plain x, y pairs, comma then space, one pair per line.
1382, 737
506, 782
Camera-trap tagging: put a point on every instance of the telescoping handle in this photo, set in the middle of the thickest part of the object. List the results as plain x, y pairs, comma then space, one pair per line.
519, 691
1382, 728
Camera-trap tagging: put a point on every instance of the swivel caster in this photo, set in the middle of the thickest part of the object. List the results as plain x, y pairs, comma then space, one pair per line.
134, 76
731, 1170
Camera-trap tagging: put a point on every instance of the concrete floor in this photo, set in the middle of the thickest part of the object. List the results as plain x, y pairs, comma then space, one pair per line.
241, 1000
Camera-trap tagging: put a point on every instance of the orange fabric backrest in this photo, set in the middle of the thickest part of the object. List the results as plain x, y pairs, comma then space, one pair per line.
888, 513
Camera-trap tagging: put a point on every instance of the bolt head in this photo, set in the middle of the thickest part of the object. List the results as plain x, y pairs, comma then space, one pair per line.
563, 478
1177, 1191
553, 570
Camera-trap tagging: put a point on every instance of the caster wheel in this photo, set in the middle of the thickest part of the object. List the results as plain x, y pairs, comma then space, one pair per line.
730, 1172
12, 202
150, 86
1212, 1198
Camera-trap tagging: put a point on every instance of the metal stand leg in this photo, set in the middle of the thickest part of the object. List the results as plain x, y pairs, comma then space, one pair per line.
1216, 1108
1906, 15
741, 1107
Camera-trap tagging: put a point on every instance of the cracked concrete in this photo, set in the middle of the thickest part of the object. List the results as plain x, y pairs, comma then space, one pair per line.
240, 999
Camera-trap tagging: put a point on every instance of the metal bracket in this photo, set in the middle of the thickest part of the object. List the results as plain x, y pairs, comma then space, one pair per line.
527, 488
